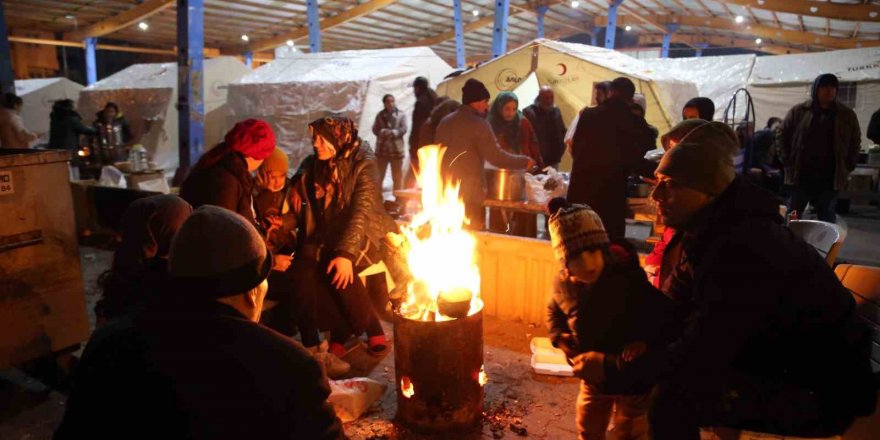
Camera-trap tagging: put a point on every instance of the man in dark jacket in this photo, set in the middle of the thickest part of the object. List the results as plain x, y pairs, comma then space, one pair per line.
222, 176
195, 363
547, 121
821, 139
874, 128
608, 144
470, 143
773, 343
65, 126
425, 100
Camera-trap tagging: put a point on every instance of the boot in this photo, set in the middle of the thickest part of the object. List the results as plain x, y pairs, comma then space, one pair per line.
333, 366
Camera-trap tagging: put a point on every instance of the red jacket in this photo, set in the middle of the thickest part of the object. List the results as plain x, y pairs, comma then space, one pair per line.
528, 142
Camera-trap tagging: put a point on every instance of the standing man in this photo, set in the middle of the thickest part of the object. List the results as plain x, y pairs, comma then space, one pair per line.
389, 128
608, 144
425, 99
547, 121
470, 143
600, 95
821, 139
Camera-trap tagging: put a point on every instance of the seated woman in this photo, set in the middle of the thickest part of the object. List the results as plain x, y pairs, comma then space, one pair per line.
275, 213
140, 264
515, 135
341, 222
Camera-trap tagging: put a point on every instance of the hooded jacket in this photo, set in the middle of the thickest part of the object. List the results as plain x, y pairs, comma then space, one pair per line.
847, 139
65, 126
767, 308
227, 184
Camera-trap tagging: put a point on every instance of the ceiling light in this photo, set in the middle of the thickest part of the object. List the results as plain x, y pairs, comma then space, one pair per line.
758, 41
739, 19
628, 28
244, 37
575, 4
761, 2
143, 26
70, 17
476, 12
290, 43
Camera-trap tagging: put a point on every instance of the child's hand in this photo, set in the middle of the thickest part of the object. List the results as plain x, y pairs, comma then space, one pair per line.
633, 350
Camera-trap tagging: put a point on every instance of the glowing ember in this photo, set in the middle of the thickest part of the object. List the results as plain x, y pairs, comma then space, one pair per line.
406, 387
484, 378
440, 254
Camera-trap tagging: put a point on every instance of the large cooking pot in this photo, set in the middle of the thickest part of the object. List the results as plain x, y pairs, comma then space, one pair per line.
502, 184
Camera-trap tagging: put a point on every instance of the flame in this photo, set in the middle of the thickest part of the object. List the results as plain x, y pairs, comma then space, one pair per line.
440, 254
406, 387
483, 377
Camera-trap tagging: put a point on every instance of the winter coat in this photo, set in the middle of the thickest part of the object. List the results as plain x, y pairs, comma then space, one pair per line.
847, 141
354, 223
874, 128
389, 129
421, 112
196, 369
470, 143
65, 127
118, 121
13, 133
227, 184
550, 130
608, 145
767, 307
528, 142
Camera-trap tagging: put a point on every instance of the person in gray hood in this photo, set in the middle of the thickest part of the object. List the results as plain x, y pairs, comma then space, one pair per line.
821, 139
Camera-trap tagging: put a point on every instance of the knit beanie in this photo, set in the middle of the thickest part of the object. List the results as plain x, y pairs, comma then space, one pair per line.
703, 160
253, 138
474, 91
675, 135
276, 162
218, 253
574, 228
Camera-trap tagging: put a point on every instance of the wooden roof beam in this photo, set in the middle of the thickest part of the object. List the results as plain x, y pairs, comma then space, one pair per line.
753, 30
717, 41
327, 23
122, 20
851, 12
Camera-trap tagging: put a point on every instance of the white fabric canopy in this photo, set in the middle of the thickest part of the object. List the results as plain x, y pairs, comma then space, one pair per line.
38, 96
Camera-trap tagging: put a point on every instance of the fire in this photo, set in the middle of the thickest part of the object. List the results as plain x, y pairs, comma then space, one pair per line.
440, 254
483, 378
406, 387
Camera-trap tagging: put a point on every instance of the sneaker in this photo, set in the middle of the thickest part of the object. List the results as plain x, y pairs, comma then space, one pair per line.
333, 366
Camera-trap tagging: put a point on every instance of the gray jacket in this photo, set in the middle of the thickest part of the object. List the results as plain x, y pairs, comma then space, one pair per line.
470, 143
389, 129
847, 142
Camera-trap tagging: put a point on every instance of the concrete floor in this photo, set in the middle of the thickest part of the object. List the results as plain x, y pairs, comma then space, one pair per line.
517, 401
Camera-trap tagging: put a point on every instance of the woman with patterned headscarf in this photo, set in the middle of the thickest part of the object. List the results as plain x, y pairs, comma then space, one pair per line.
341, 223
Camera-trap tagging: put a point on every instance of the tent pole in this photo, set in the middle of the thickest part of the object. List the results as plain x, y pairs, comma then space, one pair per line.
459, 36
499, 34
541, 11
667, 39
91, 67
7, 75
594, 37
611, 29
314, 25
190, 84
249, 59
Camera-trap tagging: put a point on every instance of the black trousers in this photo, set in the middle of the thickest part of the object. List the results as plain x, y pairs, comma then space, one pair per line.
296, 308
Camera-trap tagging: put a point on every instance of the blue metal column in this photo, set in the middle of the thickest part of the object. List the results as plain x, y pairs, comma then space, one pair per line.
459, 35
314, 20
594, 37
7, 75
700, 47
249, 59
541, 12
91, 65
499, 33
190, 83
667, 39
611, 29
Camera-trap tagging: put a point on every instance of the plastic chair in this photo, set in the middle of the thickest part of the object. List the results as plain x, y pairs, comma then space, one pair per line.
825, 237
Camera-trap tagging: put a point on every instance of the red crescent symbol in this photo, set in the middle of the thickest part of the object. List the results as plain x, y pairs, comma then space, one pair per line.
564, 69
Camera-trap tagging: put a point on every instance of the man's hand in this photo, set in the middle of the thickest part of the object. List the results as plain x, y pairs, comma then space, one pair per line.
274, 222
281, 262
567, 344
633, 350
344, 275
590, 367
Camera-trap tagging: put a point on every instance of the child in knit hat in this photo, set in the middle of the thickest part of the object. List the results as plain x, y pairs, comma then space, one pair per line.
602, 302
